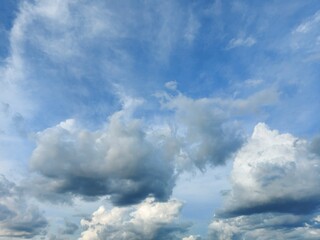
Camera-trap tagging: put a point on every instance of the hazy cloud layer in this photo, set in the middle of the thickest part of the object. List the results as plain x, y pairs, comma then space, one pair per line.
149, 220
265, 226
17, 217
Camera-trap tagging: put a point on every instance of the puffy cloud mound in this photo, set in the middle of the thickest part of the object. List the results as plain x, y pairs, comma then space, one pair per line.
17, 218
275, 190
118, 161
274, 172
147, 220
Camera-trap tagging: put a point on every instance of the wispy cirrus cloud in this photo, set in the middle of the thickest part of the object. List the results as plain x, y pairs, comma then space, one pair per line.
241, 42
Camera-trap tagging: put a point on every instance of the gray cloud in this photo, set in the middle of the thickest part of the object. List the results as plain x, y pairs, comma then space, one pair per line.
315, 145
118, 161
204, 134
17, 217
69, 228
141, 158
265, 226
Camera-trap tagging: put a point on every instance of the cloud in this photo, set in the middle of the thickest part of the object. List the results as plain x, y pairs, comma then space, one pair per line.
305, 38
69, 228
17, 217
265, 226
274, 172
192, 237
308, 24
141, 158
241, 42
118, 161
172, 85
100, 48
192, 29
274, 190
147, 220
205, 129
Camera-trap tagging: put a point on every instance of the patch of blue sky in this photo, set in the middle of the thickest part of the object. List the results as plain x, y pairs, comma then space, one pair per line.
8, 11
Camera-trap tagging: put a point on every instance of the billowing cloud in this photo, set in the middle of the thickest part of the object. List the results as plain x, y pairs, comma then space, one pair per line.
17, 217
118, 161
147, 220
275, 190
142, 158
274, 172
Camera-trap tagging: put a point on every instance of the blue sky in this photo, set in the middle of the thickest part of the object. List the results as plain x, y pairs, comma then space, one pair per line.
159, 119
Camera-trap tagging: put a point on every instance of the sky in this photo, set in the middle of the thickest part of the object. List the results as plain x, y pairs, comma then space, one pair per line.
159, 120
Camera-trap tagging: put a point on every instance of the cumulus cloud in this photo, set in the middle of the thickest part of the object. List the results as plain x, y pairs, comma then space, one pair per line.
147, 220
274, 172
275, 191
142, 159
17, 217
118, 161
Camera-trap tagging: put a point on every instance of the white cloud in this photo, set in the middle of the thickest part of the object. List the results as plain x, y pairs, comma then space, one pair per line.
172, 85
241, 42
305, 38
253, 82
274, 171
192, 237
147, 220
192, 28
308, 24
274, 190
